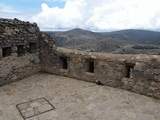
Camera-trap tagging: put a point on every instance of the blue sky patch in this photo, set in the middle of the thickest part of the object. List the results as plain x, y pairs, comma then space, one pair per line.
31, 5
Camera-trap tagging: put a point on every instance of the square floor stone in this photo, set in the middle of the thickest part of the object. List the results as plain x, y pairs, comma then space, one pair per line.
34, 107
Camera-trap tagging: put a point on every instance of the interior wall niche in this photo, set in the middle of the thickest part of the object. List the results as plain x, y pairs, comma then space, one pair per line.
20, 50
32, 47
89, 64
129, 69
64, 62
6, 51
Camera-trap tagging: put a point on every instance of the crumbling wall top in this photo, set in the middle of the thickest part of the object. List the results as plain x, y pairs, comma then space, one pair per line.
14, 32
15, 21
110, 56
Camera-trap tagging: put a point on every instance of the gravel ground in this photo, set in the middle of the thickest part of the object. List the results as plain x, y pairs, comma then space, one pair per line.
73, 100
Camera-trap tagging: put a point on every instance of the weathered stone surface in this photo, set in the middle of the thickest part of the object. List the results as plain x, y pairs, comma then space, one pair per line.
109, 69
137, 73
14, 33
76, 100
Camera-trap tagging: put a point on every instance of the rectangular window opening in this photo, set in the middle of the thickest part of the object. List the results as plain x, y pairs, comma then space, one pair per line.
32, 47
6, 51
129, 69
90, 65
64, 62
20, 50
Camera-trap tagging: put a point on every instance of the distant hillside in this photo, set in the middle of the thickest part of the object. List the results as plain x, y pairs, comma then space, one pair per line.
125, 41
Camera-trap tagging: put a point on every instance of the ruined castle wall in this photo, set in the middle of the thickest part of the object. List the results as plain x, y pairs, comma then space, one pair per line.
137, 73
24, 51
19, 50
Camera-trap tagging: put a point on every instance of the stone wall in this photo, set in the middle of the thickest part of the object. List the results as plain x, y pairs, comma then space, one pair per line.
19, 50
24, 51
137, 73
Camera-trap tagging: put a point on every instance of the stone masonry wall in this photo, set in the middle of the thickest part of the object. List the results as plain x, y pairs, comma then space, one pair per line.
19, 50
24, 51
137, 73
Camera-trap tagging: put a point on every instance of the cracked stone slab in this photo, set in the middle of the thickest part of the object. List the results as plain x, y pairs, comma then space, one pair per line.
34, 108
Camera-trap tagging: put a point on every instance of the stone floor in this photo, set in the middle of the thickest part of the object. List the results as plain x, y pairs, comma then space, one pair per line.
50, 97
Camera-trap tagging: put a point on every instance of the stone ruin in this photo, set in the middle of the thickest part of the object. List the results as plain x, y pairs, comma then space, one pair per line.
24, 51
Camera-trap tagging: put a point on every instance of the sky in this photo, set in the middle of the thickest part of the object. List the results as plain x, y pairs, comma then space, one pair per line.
95, 15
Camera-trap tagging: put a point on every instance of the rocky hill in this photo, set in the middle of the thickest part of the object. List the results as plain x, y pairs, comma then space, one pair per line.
124, 41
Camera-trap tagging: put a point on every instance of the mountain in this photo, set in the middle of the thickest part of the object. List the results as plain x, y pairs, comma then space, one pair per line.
138, 36
124, 41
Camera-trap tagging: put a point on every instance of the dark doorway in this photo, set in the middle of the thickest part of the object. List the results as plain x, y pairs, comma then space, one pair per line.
90, 65
129, 69
20, 50
32, 47
6, 51
64, 62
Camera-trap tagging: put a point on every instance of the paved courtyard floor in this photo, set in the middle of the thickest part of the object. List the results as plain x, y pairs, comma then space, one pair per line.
51, 97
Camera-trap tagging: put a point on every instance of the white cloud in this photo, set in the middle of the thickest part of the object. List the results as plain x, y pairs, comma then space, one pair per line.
101, 14
70, 16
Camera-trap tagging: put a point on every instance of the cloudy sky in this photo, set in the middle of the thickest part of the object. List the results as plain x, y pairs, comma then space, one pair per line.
96, 15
